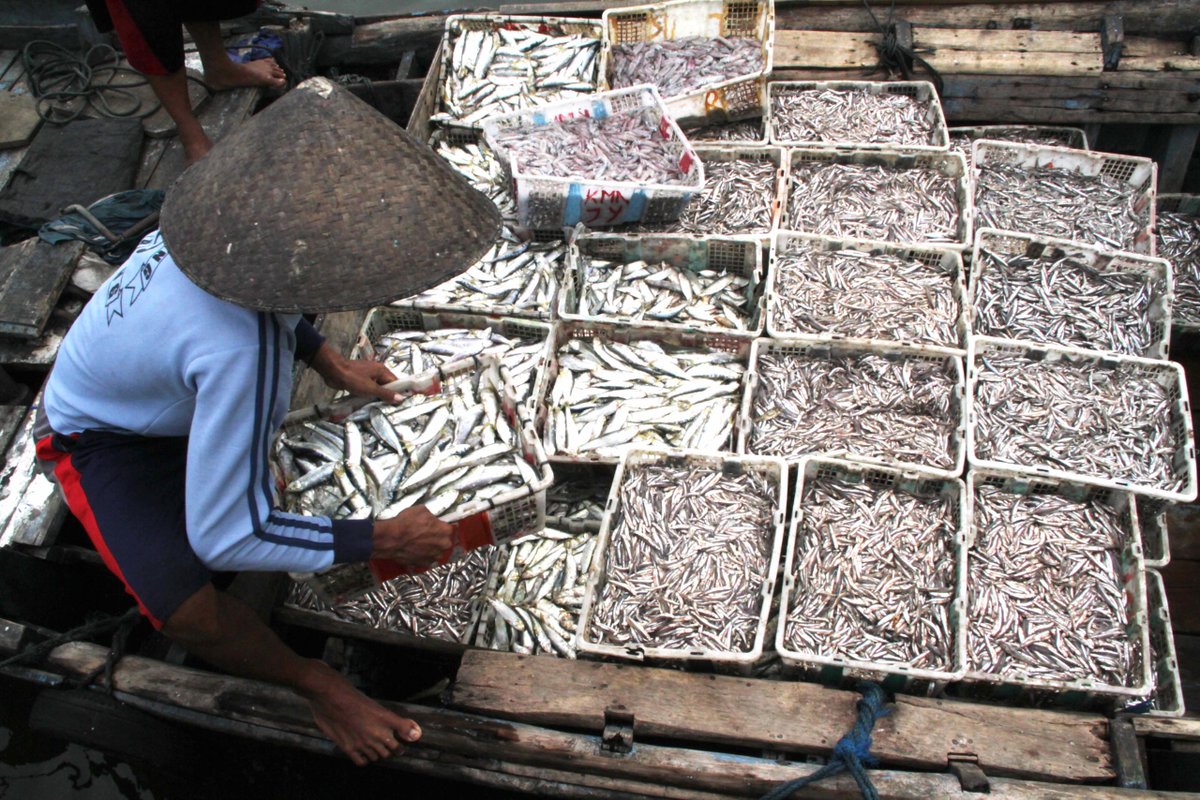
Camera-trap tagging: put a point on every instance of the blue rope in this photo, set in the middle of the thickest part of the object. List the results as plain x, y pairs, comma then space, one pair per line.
852, 753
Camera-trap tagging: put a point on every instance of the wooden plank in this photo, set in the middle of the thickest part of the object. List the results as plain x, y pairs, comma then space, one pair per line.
784, 716
383, 42
1182, 580
1167, 728
12, 636
12, 81
31, 506
220, 116
19, 120
1176, 157
1152, 53
824, 50
340, 330
32, 277
7, 58
11, 418
1006, 52
40, 353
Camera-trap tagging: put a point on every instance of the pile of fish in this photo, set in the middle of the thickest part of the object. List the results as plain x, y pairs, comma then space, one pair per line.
874, 572
417, 352
1179, 243
897, 409
442, 451
850, 115
1047, 201
576, 502
609, 396
1061, 299
686, 560
441, 603
478, 164
1045, 593
1078, 416
873, 202
506, 69
687, 64
539, 582
747, 130
738, 197
664, 293
515, 277
864, 295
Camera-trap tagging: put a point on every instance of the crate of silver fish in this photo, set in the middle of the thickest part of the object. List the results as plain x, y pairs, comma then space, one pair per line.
1101, 199
823, 288
1167, 699
848, 612
749, 132
962, 138
1056, 593
1177, 239
1078, 415
685, 566
612, 158
708, 284
899, 115
708, 58
1052, 291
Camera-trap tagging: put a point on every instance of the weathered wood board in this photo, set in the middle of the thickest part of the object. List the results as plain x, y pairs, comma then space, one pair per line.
33, 274
163, 159
31, 506
19, 119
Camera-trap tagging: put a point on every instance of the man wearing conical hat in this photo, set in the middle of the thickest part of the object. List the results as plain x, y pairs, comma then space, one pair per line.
169, 387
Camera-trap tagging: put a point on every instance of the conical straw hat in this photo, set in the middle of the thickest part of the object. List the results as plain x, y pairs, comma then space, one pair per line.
320, 203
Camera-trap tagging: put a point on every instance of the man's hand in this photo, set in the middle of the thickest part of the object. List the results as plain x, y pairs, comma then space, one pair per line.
357, 377
414, 537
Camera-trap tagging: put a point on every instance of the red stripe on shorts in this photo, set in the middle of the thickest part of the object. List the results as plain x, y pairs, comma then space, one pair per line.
137, 50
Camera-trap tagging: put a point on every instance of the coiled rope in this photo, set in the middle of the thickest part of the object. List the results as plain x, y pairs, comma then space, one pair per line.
894, 57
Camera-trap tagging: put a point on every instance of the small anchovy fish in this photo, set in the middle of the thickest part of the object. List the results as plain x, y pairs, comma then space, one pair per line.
873, 202
572, 502
686, 560
738, 197
866, 295
539, 587
515, 67
1059, 298
610, 396
1046, 599
1082, 416
687, 64
747, 130
1047, 201
961, 142
850, 115
1179, 242
897, 409
441, 603
874, 572
478, 164
640, 291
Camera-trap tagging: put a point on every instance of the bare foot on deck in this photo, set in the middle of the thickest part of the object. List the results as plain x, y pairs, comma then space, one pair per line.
226, 74
360, 727
195, 141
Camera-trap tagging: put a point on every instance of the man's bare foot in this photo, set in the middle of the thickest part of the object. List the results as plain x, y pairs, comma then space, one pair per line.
360, 727
227, 74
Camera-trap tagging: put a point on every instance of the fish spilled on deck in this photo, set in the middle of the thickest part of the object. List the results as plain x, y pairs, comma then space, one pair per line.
850, 115
660, 292
683, 65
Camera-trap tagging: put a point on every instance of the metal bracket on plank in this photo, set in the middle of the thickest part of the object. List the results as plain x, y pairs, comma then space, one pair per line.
965, 767
617, 737
1127, 755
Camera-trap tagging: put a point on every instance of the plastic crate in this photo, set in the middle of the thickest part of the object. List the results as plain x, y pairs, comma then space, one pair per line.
836, 349
920, 91
1073, 138
776, 472
694, 253
593, 479
836, 670
698, 137
1084, 693
1155, 272
949, 260
1139, 173
546, 202
1166, 373
731, 99
1187, 205
948, 164
1152, 518
1167, 700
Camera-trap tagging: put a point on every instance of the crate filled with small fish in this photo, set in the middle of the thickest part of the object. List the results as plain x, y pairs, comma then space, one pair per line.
1043, 290
575, 501
823, 288
1100, 199
1152, 521
535, 593
1056, 593
617, 157
881, 195
708, 58
516, 278
750, 132
962, 138
708, 284
687, 559
475, 161
442, 603
1177, 234
1167, 698
495, 64
893, 406
614, 387
1111, 420
896, 115
409, 341
875, 577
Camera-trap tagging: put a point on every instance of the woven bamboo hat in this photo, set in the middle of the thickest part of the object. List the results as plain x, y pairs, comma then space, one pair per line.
320, 203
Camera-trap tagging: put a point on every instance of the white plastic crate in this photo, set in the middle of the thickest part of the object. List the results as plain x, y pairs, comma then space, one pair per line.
835, 349
836, 670
593, 479
1167, 374
1084, 693
951, 165
1139, 173
1167, 700
732, 99
775, 470
1155, 273
1152, 519
548, 202
693, 253
759, 139
920, 91
1188, 205
948, 260
1073, 138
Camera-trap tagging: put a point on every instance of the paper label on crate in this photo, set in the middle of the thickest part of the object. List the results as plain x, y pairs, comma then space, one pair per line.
598, 206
